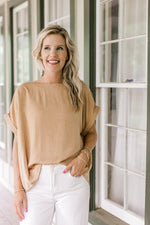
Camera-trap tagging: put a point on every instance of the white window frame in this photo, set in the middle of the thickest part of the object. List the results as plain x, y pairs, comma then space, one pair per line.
102, 100
15, 35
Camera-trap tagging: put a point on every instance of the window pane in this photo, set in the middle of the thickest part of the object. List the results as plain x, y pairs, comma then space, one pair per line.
136, 194
25, 16
116, 146
26, 76
117, 107
1, 93
134, 60
1, 113
108, 17
2, 136
1, 51
20, 63
58, 12
115, 185
137, 108
52, 10
19, 22
134, 21
109, 63
136, 153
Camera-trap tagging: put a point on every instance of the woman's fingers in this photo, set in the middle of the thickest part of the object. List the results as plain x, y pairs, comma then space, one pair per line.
77, 167
20, 212
20, 204
68, 168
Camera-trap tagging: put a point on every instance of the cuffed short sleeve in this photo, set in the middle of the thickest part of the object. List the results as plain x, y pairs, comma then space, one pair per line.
11, 116
90, 110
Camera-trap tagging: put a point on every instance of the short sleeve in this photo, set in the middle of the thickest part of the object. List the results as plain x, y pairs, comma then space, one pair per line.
11, 116
90, 110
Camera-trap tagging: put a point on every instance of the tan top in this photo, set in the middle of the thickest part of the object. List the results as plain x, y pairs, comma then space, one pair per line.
48, 129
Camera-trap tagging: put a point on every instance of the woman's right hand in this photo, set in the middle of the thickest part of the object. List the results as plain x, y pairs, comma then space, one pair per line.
20, 204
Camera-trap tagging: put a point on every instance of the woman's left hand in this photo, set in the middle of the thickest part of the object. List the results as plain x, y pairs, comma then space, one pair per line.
77, 166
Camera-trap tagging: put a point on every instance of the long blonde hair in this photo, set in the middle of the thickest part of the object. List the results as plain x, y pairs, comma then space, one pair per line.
70, 71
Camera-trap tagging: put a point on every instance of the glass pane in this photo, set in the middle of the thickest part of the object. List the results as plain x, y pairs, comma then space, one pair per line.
2, 136
137, 108
117, 106
25, 19
134, 60
1, 113
136, 152
1, 51
66, 7
134, 21
26, 76
52, 10
116, 146
109, 63
136, 194
115, 185
19, 21
66, 24
58, 9
1, 93
20, 63
108, 17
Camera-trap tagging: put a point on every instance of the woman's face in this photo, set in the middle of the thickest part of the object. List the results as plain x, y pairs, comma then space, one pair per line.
54, 53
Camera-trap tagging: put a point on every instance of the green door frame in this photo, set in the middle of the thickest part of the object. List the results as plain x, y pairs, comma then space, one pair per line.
90, 71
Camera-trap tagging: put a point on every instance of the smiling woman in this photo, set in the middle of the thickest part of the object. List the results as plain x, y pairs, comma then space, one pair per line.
53, 119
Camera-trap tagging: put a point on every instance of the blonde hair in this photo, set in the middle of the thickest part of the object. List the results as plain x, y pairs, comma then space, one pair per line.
70, 71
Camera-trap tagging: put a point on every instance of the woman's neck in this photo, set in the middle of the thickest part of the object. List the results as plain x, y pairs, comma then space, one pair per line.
51, 78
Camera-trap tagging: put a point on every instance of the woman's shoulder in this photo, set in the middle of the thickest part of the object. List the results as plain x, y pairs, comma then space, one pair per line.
85, 88
22, 88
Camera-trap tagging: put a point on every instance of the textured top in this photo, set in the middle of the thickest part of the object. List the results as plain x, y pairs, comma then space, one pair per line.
48, 129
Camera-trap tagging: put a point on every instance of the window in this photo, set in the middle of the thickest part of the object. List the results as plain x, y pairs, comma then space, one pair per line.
58, 12
121, 81
21, 44
2, 91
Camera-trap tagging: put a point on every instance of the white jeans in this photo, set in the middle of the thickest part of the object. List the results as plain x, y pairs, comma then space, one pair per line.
59, 193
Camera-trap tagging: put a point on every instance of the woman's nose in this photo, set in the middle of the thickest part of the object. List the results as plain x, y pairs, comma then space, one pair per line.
53, 52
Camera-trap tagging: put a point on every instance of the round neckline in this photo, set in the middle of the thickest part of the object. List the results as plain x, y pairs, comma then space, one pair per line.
44, 83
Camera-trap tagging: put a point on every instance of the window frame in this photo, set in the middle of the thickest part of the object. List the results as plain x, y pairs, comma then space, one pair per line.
16, 9
96, 217
106, 204
12, 4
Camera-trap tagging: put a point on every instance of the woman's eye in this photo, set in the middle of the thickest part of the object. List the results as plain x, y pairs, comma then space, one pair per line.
59, 48
46, 48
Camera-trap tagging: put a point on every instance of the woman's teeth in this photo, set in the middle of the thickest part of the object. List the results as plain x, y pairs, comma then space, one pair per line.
53, 61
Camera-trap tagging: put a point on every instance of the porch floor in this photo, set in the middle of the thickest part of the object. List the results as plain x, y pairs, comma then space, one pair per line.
7, 214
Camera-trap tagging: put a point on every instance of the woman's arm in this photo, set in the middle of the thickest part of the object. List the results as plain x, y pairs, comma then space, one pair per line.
20, 201
78, 164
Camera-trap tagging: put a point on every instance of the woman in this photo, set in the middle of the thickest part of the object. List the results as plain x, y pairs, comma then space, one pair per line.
53, 119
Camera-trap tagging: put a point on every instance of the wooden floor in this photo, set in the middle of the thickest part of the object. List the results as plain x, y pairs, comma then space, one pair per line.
7, 215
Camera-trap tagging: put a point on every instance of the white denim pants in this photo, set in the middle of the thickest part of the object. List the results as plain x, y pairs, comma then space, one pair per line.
57, 193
